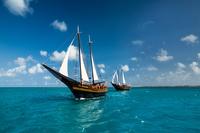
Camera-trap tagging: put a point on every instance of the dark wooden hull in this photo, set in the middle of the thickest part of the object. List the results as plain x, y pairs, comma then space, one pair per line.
121, 87
80, 90
83, 94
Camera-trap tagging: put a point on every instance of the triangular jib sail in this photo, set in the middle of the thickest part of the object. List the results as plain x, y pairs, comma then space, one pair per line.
115, 78
64, 67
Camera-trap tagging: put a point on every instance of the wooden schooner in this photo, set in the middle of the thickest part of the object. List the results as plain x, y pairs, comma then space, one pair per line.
116, 81
85, 87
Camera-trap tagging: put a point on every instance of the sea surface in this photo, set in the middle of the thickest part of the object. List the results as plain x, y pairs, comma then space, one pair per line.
141, 110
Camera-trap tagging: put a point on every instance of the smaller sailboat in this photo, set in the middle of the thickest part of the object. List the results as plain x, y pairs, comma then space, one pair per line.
116, 81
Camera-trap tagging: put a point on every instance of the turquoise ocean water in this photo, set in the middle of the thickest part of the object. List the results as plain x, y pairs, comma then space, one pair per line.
141, 110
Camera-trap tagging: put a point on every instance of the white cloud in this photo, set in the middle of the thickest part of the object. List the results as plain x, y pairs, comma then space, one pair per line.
43, 53
179, 78
18, 7
101, 66
13, 71
147, 23
59, 25
20, 69
195, 67
35, 69
138, 75
57, 56
152, 68
22, 61
180, 65
198, 55
125, 68
47, 77
102, 71
138, 42
181, 68
191, 39
163, 56
134, 59
142, 52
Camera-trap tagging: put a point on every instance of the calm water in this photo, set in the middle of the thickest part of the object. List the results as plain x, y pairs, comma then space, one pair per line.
141, 110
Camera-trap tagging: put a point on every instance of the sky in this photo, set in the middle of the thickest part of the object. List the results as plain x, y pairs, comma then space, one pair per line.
155, 42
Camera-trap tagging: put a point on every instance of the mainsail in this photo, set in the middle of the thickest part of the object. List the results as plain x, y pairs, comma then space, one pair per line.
95, 76
84, 75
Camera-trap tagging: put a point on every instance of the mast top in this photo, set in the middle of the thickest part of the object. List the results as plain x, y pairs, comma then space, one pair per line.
78, 31
89, 40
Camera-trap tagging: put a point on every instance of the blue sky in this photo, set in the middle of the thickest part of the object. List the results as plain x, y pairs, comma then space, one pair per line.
156, 41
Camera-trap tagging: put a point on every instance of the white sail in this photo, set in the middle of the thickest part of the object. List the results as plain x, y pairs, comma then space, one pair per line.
83, 70
123, 78
64, 67
113, 78
94, 69
115, 75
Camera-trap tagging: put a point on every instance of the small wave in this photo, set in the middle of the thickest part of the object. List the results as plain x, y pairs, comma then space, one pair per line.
84, 99
141, 120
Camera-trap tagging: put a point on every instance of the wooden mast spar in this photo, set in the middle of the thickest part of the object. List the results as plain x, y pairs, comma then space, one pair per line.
90, 46
79, 51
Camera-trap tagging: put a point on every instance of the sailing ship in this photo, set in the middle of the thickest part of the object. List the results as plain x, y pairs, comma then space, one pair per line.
85, 87
120, 86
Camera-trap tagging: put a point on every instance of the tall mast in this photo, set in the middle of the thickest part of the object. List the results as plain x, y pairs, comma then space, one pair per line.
79, 51
90, 46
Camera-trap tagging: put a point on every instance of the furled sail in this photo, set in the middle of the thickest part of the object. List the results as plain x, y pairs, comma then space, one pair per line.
83, 70
123, 78
64, 67
94, 69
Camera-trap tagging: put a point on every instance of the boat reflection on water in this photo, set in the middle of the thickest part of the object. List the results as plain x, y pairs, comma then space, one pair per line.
88, 113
